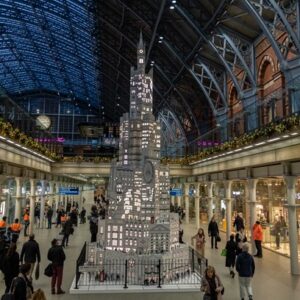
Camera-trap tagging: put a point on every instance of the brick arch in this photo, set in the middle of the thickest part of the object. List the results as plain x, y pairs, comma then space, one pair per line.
236, 126
267, 60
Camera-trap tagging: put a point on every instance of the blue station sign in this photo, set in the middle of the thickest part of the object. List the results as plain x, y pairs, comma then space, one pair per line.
68, 191
176, 192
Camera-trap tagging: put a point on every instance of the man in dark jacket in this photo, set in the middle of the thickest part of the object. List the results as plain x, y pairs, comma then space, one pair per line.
213, 232
94, 223
49, 217
31, 253
239, 222
22, 285
245, 266
57, 256
67, 230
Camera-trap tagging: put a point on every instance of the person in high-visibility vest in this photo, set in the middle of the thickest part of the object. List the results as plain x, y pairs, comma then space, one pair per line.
15, 229
26, 221
3, 225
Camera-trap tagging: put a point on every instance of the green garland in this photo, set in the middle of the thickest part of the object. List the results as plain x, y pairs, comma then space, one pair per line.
272, 129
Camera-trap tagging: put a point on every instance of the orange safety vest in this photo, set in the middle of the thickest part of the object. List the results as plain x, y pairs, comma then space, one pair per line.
26, 217
2, 224
63, 218
15, 227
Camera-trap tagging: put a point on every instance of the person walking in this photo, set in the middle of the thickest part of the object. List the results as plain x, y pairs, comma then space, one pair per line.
211, 285
82, 215
67, 230
49, 217
245, 266
213, 232
231, 251
59, 213
30, 253
10, 265
23, 289
57, 256
240, 239
26, 221
94, 223
200, 241
257, 237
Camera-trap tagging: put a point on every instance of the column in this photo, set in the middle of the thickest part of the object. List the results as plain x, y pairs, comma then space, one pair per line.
42, 211
293, 234
173, 200
51, 193
270, 196
210, 186
179, 197
228, 200
197, 204
187, 202
251, 183
19, 184
32, 204
217, 203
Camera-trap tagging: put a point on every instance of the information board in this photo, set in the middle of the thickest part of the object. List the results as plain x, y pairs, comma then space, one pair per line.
68, 191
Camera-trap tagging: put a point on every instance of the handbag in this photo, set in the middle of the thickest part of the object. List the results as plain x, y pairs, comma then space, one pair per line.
218, 238
10, 295
224, 252
49, 270
37, 271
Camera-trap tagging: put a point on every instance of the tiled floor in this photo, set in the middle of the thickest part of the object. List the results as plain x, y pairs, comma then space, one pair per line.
272, 279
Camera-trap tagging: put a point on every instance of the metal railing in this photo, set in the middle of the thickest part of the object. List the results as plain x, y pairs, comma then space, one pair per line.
154, 272
80, 262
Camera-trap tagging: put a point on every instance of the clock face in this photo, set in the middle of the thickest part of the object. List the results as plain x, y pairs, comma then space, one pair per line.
148, 172
141, 51
43, 121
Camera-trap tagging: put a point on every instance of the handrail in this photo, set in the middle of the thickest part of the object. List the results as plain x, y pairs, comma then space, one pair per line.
80, 262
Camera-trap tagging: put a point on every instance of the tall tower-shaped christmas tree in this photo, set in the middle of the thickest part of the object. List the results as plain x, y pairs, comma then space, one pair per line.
138, 216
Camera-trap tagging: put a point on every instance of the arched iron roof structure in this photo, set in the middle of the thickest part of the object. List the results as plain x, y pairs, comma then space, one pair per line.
48, 45
194, 46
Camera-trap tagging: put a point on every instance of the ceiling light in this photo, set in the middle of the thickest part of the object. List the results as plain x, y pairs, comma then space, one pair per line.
161, 37
259, 144
294, 133
172, 7
174, 1
273, 140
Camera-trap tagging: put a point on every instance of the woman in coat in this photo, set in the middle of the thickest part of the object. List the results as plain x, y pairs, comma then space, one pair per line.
200, 241
10, 266
211, 285
231, 251
213, 232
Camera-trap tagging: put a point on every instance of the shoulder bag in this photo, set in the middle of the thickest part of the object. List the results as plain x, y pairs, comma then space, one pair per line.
49, 270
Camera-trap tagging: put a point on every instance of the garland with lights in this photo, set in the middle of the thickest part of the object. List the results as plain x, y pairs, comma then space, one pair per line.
16, 135
272, 129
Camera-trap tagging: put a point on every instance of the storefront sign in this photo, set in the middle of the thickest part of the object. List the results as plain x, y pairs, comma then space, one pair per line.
68, 191
176, 192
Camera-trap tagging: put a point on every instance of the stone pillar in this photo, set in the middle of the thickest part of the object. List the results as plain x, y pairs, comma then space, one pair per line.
252, 206
210, 186
292, 215
19, 184
228, 200
51, 193
187, 202
270, 196
32, 204
42, 211
173, 200
197, 204
179, 197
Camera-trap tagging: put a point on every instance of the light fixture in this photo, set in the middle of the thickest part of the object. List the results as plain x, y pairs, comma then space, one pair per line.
172, 7
161, 38
174, 1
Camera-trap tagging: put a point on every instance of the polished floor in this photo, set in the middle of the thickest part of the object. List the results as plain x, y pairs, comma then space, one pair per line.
272, 279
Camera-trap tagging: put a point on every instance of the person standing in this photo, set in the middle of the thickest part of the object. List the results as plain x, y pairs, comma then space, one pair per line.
211, 285
57, 256
200, 241
257, 237
15, 229
94, 223
231, 251
3, 225
213, 232
82, 215
49, 217
30, 253
239, 222
240, 238
67, 230
26, 221
245, 266
10, 265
